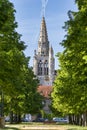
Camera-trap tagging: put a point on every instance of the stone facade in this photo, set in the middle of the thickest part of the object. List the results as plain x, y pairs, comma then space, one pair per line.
44, 63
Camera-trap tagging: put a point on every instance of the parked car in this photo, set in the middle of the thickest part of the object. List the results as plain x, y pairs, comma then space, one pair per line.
61, 120
25, 120
39, 120
46, 119
7, 119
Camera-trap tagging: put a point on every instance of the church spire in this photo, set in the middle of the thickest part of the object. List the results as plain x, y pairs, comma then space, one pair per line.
43, 43
43, 31
43, 65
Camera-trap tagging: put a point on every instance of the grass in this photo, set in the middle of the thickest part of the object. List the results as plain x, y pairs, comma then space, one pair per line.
9, 128
41, 126
71, 127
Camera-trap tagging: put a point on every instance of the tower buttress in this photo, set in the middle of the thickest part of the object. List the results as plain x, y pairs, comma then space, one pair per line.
51, 64
35, 63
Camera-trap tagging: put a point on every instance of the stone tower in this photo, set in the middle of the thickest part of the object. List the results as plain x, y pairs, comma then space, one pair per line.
43, 63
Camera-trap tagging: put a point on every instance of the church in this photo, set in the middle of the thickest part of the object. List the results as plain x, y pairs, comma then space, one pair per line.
44, 65
44, 62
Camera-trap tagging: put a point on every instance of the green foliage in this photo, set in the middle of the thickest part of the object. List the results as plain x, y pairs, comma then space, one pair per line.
17, 80
32, 99
70, 87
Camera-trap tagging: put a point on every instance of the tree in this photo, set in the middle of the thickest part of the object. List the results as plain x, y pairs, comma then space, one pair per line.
70, 88
32, 100
26, 99
11, 48
12, 57
17, 80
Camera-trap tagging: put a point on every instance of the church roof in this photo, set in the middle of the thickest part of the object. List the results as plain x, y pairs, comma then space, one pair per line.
45, 91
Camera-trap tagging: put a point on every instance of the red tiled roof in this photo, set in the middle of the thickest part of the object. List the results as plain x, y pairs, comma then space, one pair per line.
45, 90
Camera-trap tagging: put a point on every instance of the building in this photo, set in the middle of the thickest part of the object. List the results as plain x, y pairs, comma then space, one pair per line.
44, 63
45, 91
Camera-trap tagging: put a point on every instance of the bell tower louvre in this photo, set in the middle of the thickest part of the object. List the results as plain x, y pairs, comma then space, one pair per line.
43, 61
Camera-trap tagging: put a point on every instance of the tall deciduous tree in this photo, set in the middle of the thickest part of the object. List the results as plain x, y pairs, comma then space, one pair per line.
32, 100
70, 87
11, 47
16, 78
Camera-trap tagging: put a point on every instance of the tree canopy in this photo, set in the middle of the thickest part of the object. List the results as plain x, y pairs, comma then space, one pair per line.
70, 87
17, 81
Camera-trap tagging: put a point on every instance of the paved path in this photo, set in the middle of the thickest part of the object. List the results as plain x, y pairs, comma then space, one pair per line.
43, 128
39, 127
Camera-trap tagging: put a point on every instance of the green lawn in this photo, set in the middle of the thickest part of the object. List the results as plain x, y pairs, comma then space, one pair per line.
41, 126
70, 127
10, 127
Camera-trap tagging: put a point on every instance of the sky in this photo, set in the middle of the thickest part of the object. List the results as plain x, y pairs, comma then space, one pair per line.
29, 15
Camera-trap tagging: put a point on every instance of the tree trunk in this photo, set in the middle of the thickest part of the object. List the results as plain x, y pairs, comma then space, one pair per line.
11, 117
84, 119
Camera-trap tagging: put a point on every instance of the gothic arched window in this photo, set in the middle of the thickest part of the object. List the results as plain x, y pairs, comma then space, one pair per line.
40, 68
46, 67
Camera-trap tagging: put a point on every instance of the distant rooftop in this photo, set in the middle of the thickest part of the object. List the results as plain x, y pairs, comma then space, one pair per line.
45, 91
